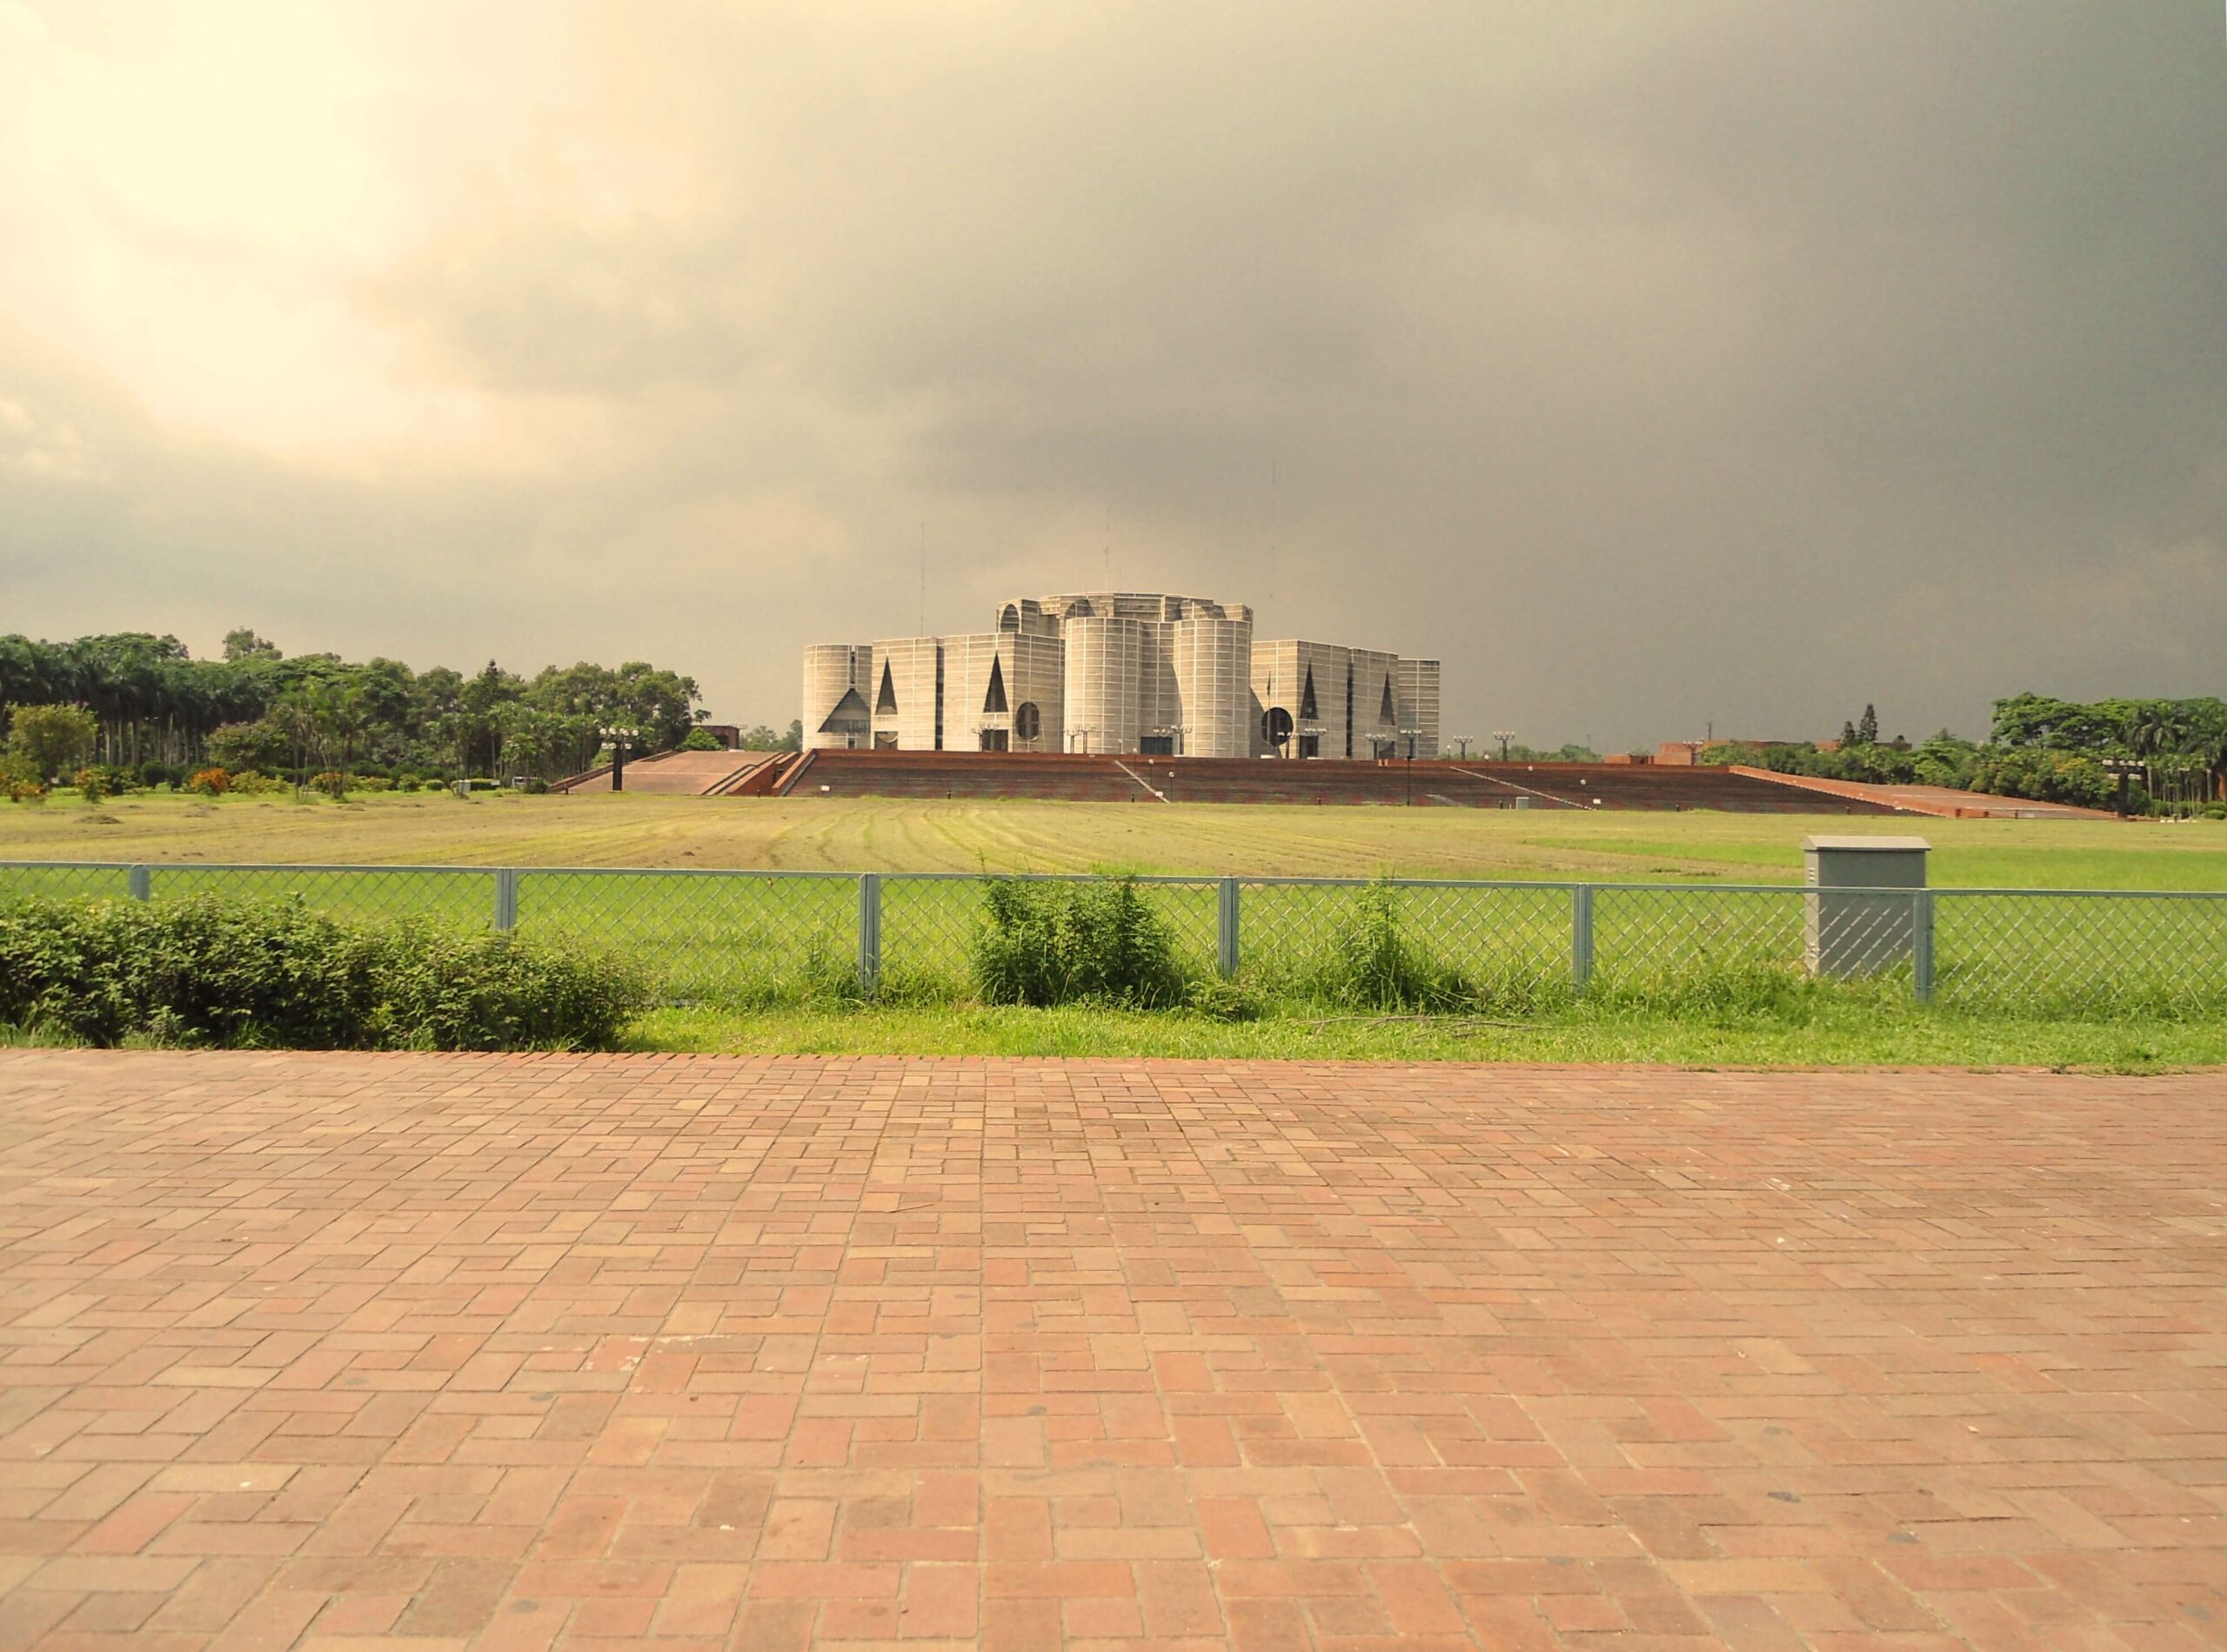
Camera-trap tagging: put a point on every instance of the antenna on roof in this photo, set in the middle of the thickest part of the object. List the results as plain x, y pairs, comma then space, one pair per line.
1276, 482
924, 578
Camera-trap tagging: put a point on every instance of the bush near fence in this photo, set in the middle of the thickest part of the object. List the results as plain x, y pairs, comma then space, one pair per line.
754, 940
1053, 943
205, 971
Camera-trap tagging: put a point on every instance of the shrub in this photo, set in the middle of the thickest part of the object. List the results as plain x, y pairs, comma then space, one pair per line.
1216, 1000
261, 744
331, 782
701, 739
441, 988
1372, 966
92, 785
19, 779
1055, 943
275, 975
52, 739
249, 783
209, 783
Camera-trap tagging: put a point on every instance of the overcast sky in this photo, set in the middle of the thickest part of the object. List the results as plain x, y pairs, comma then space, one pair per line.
1652, 365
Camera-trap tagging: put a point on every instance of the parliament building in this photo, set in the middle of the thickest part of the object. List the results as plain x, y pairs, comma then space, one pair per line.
1120, 671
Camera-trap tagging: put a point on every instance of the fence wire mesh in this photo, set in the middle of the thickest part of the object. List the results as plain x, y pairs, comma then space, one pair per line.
378, 895
929, 926
737, 938
755, 938
65, 880
1486, 944
1653, 939
2074, 955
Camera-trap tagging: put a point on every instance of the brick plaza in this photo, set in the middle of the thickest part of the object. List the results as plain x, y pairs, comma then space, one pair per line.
427, 1353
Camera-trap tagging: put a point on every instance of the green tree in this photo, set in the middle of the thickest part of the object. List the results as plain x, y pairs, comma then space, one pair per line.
1867, 727
260, 744
54, 741
243, 645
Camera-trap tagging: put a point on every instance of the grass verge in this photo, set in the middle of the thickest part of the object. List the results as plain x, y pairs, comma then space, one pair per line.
1825, 1034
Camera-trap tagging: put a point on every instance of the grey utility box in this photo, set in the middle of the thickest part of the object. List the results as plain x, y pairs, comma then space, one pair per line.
1852, 929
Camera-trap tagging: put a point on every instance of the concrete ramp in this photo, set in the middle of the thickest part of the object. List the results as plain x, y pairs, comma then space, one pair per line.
689, 774
1945, 802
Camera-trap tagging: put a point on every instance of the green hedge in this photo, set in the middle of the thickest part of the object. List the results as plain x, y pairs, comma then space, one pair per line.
1064, 943
247, 974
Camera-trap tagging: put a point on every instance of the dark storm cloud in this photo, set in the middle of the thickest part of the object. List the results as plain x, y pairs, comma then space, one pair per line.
1650, 364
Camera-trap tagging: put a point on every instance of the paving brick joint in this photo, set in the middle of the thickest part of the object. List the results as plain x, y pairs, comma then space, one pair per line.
519, 1352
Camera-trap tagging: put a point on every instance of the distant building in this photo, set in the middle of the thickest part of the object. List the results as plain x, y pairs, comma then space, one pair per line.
729, 735
1686, 753
1119, 672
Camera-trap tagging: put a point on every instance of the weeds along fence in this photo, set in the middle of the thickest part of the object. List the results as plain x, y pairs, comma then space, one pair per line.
745, 939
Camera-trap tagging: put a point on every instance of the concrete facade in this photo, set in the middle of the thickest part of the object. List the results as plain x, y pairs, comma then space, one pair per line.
838, 686
1120, 671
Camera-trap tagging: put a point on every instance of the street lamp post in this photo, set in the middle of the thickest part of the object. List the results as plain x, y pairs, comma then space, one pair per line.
1503, 735
1411, 735
619, 737
1463, 740
2124, 768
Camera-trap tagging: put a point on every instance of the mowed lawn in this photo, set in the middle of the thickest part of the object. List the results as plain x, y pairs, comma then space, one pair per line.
876, 834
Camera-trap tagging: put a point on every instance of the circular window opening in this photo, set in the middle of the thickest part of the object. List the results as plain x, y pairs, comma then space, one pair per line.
1027, 721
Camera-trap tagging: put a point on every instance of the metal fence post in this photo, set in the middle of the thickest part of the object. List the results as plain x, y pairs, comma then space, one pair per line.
1581, 934
869, 931
1225, 937
141, 883
1922, 945
506, 899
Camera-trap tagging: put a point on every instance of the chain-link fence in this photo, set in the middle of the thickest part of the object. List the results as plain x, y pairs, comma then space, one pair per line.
748, 939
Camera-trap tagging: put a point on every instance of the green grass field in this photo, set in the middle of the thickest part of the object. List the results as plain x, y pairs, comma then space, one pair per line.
874, 834
1851, 1034
760, 963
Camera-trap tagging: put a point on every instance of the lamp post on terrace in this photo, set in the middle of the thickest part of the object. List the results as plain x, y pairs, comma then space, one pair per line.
1463, 741
1503, 735
618, 737
1173, 734
1411, 735
2125, 768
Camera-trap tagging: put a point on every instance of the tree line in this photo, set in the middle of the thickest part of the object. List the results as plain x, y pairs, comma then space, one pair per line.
157, 714
2172, 753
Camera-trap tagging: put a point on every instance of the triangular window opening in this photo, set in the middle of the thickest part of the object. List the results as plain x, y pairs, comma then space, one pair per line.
849, 715
885, 703
1307, 697
995, 699
1385, 713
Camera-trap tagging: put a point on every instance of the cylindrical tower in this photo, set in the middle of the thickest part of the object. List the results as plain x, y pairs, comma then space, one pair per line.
835, 714
1214, 663
1105, 666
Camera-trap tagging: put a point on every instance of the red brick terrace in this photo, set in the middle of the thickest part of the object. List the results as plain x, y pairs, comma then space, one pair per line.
1436, 783
431, 1353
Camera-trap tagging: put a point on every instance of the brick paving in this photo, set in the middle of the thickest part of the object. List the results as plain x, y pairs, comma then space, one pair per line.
423, 1353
